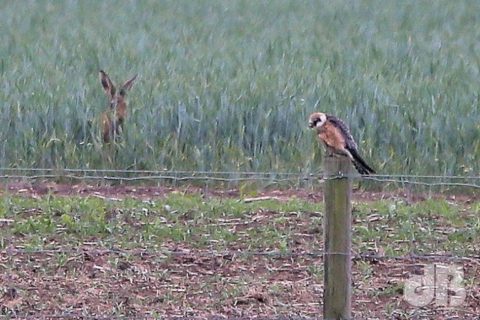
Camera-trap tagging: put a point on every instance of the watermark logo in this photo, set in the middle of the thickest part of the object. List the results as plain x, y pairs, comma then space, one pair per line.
440, 283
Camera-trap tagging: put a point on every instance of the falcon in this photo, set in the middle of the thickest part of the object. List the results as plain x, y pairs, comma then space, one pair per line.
336, 137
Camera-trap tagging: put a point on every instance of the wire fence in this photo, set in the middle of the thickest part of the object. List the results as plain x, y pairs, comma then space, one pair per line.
231, 254
159, 176
9, 253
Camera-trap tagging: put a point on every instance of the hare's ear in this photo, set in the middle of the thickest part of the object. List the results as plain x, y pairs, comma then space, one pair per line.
128, 85
107, 84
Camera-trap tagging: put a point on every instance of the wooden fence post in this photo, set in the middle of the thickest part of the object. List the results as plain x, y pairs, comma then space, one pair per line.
337, 281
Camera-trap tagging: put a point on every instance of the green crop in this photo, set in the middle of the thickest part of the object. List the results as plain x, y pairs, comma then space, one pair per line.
229, 85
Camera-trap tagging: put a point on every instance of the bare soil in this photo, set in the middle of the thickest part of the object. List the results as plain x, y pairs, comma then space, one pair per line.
149, 192
94, 282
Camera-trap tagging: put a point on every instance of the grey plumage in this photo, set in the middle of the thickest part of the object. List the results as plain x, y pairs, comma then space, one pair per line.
350, 144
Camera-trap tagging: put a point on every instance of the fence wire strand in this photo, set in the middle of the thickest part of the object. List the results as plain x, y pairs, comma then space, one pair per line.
273, 254
232, 176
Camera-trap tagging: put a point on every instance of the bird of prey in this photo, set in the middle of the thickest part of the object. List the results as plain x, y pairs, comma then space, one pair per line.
335, 135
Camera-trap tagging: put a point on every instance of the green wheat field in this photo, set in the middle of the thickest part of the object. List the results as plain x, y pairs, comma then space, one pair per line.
229, 85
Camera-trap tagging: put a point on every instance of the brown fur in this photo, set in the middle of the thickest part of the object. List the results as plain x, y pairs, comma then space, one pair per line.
113, 119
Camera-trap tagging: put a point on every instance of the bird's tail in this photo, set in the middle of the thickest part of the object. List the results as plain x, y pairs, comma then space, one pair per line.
360, 164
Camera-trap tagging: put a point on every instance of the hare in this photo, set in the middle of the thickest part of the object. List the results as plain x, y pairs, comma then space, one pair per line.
112, 120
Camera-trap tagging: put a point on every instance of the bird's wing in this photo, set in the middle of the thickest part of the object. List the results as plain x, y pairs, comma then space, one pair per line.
349, 142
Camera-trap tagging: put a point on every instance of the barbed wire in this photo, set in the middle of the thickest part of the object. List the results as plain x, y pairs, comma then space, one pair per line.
195, 173
233, 176
79, 170
142, 178
233, 180
274, 254
227, 177
423, 183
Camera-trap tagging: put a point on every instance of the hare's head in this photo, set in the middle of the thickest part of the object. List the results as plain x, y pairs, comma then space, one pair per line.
114, 117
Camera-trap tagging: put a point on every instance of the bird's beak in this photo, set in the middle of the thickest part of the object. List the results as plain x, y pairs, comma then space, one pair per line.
310, 124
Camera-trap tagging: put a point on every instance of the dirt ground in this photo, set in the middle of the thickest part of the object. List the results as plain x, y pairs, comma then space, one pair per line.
148, 192
196, 284
95, 282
